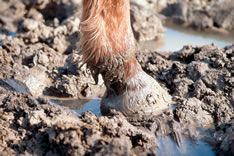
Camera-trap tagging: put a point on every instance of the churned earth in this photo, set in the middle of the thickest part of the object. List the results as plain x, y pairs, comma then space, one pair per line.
199, 78
203, 15
39, 57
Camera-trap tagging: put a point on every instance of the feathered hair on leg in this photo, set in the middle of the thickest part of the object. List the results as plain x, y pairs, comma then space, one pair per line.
104, 29
92, 31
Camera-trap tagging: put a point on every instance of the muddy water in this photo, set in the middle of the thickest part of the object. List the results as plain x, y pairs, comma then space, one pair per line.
167, 147
176, 37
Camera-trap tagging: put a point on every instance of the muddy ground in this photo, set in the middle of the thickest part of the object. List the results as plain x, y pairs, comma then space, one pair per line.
39, 57
202, 15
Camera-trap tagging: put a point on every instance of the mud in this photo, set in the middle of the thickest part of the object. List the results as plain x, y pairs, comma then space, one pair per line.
45, 33
43, 70
201, 82
202, 15
35, 39
31, 127
198, 78
146, 23
39, 57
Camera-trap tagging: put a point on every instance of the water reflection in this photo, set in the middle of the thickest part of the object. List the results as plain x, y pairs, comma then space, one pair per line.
176, 37
80, 105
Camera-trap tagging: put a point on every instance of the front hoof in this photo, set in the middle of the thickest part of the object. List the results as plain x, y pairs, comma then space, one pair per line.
143, 98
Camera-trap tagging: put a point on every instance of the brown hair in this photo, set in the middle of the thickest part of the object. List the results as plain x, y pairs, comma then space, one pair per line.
105, 29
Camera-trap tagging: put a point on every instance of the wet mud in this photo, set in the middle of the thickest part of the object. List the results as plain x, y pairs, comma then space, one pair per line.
203, 15
39, 58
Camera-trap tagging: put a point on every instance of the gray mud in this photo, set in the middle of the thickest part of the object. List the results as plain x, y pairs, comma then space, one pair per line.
31, 127
198, 78
201, 82
205, 15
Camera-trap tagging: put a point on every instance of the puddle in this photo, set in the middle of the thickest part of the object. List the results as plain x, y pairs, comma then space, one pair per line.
176, 37
167, 147
80, 105
8, 33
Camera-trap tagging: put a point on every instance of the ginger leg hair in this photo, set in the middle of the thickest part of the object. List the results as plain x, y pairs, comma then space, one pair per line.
108, 47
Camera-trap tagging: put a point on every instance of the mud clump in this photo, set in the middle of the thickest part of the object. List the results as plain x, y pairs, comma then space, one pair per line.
43, 41
202, 15
30, 126
146, 23
200, 80
44, 71
223, 139
55, 23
